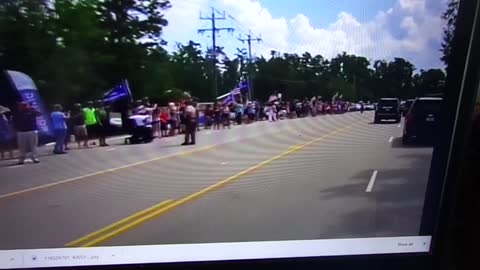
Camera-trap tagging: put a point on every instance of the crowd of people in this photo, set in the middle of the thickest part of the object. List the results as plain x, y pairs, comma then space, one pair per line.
220, 114
89, 125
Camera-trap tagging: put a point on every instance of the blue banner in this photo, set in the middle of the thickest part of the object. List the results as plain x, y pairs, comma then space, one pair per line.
119, 92
29, 94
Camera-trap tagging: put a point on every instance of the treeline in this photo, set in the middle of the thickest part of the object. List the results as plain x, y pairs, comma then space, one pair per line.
75, 50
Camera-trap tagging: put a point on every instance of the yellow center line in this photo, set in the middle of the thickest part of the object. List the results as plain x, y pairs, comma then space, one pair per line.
135, 220
123, 223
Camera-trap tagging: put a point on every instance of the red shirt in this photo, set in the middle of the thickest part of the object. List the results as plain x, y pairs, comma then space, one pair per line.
164, 117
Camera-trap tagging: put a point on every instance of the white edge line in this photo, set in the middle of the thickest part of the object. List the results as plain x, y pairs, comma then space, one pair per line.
372, 181
391, 139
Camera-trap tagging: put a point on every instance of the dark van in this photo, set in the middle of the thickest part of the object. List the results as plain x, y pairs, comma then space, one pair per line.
388, 109
421, 121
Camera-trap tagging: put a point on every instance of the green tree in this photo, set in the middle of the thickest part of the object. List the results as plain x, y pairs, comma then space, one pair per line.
133, 27
191, 71
450, 16
74, 69
27, 37
429, 82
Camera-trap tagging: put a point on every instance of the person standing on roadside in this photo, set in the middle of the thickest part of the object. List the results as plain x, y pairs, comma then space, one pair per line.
90, 120
238, 108
25, 122
59, 124
6, 133
173, 119
217, 112
70, 131
102, 125
164, 119
209, 116
156, 126
226, 116
250, 112
190, 119
77, 119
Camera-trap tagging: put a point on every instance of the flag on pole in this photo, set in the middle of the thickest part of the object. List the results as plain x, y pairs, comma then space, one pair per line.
229, 99
118, 92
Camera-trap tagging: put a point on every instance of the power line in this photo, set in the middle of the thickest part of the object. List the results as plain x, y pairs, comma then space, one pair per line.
215, 15
249, 40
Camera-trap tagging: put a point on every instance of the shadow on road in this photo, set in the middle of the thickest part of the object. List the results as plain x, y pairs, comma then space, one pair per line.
384, 123
11, 162
397, 143
425, 157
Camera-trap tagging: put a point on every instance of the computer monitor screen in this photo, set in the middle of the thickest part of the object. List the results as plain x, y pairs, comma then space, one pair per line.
156, 131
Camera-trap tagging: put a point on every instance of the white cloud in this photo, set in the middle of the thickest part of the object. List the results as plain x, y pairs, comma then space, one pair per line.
412, 5
183, 20
411, 29
251, 14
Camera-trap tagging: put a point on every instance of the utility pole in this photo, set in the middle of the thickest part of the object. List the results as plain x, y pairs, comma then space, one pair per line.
214, 31
249, 40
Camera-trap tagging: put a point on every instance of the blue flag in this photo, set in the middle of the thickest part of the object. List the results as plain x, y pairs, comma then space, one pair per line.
229, 99
28, 92
243, 86
119, 92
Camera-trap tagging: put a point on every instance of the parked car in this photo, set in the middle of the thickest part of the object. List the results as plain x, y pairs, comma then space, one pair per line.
421, 121
354, 107
388, 109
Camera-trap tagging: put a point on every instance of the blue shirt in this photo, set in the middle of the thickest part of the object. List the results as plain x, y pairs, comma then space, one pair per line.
5, 130
58, 121
239, 108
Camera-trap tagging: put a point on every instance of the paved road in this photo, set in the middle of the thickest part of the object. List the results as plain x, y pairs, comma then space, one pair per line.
305, 178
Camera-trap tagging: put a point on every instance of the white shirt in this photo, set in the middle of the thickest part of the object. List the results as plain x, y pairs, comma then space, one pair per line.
191, 111
142, 120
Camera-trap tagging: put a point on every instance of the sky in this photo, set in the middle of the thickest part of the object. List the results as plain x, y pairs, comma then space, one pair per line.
376, 29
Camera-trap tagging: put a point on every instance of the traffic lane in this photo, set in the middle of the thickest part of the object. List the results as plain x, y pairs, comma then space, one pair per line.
54, 216
78, 162
397, 181
291, 198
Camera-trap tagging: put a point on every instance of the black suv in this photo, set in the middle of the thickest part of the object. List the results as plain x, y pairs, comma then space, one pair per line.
388, 108
421, 121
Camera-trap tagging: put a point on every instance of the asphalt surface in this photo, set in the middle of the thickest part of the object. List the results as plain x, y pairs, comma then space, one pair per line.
308, 178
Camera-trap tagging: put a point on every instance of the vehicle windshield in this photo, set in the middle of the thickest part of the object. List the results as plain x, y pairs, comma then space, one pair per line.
427, 106
388, 103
